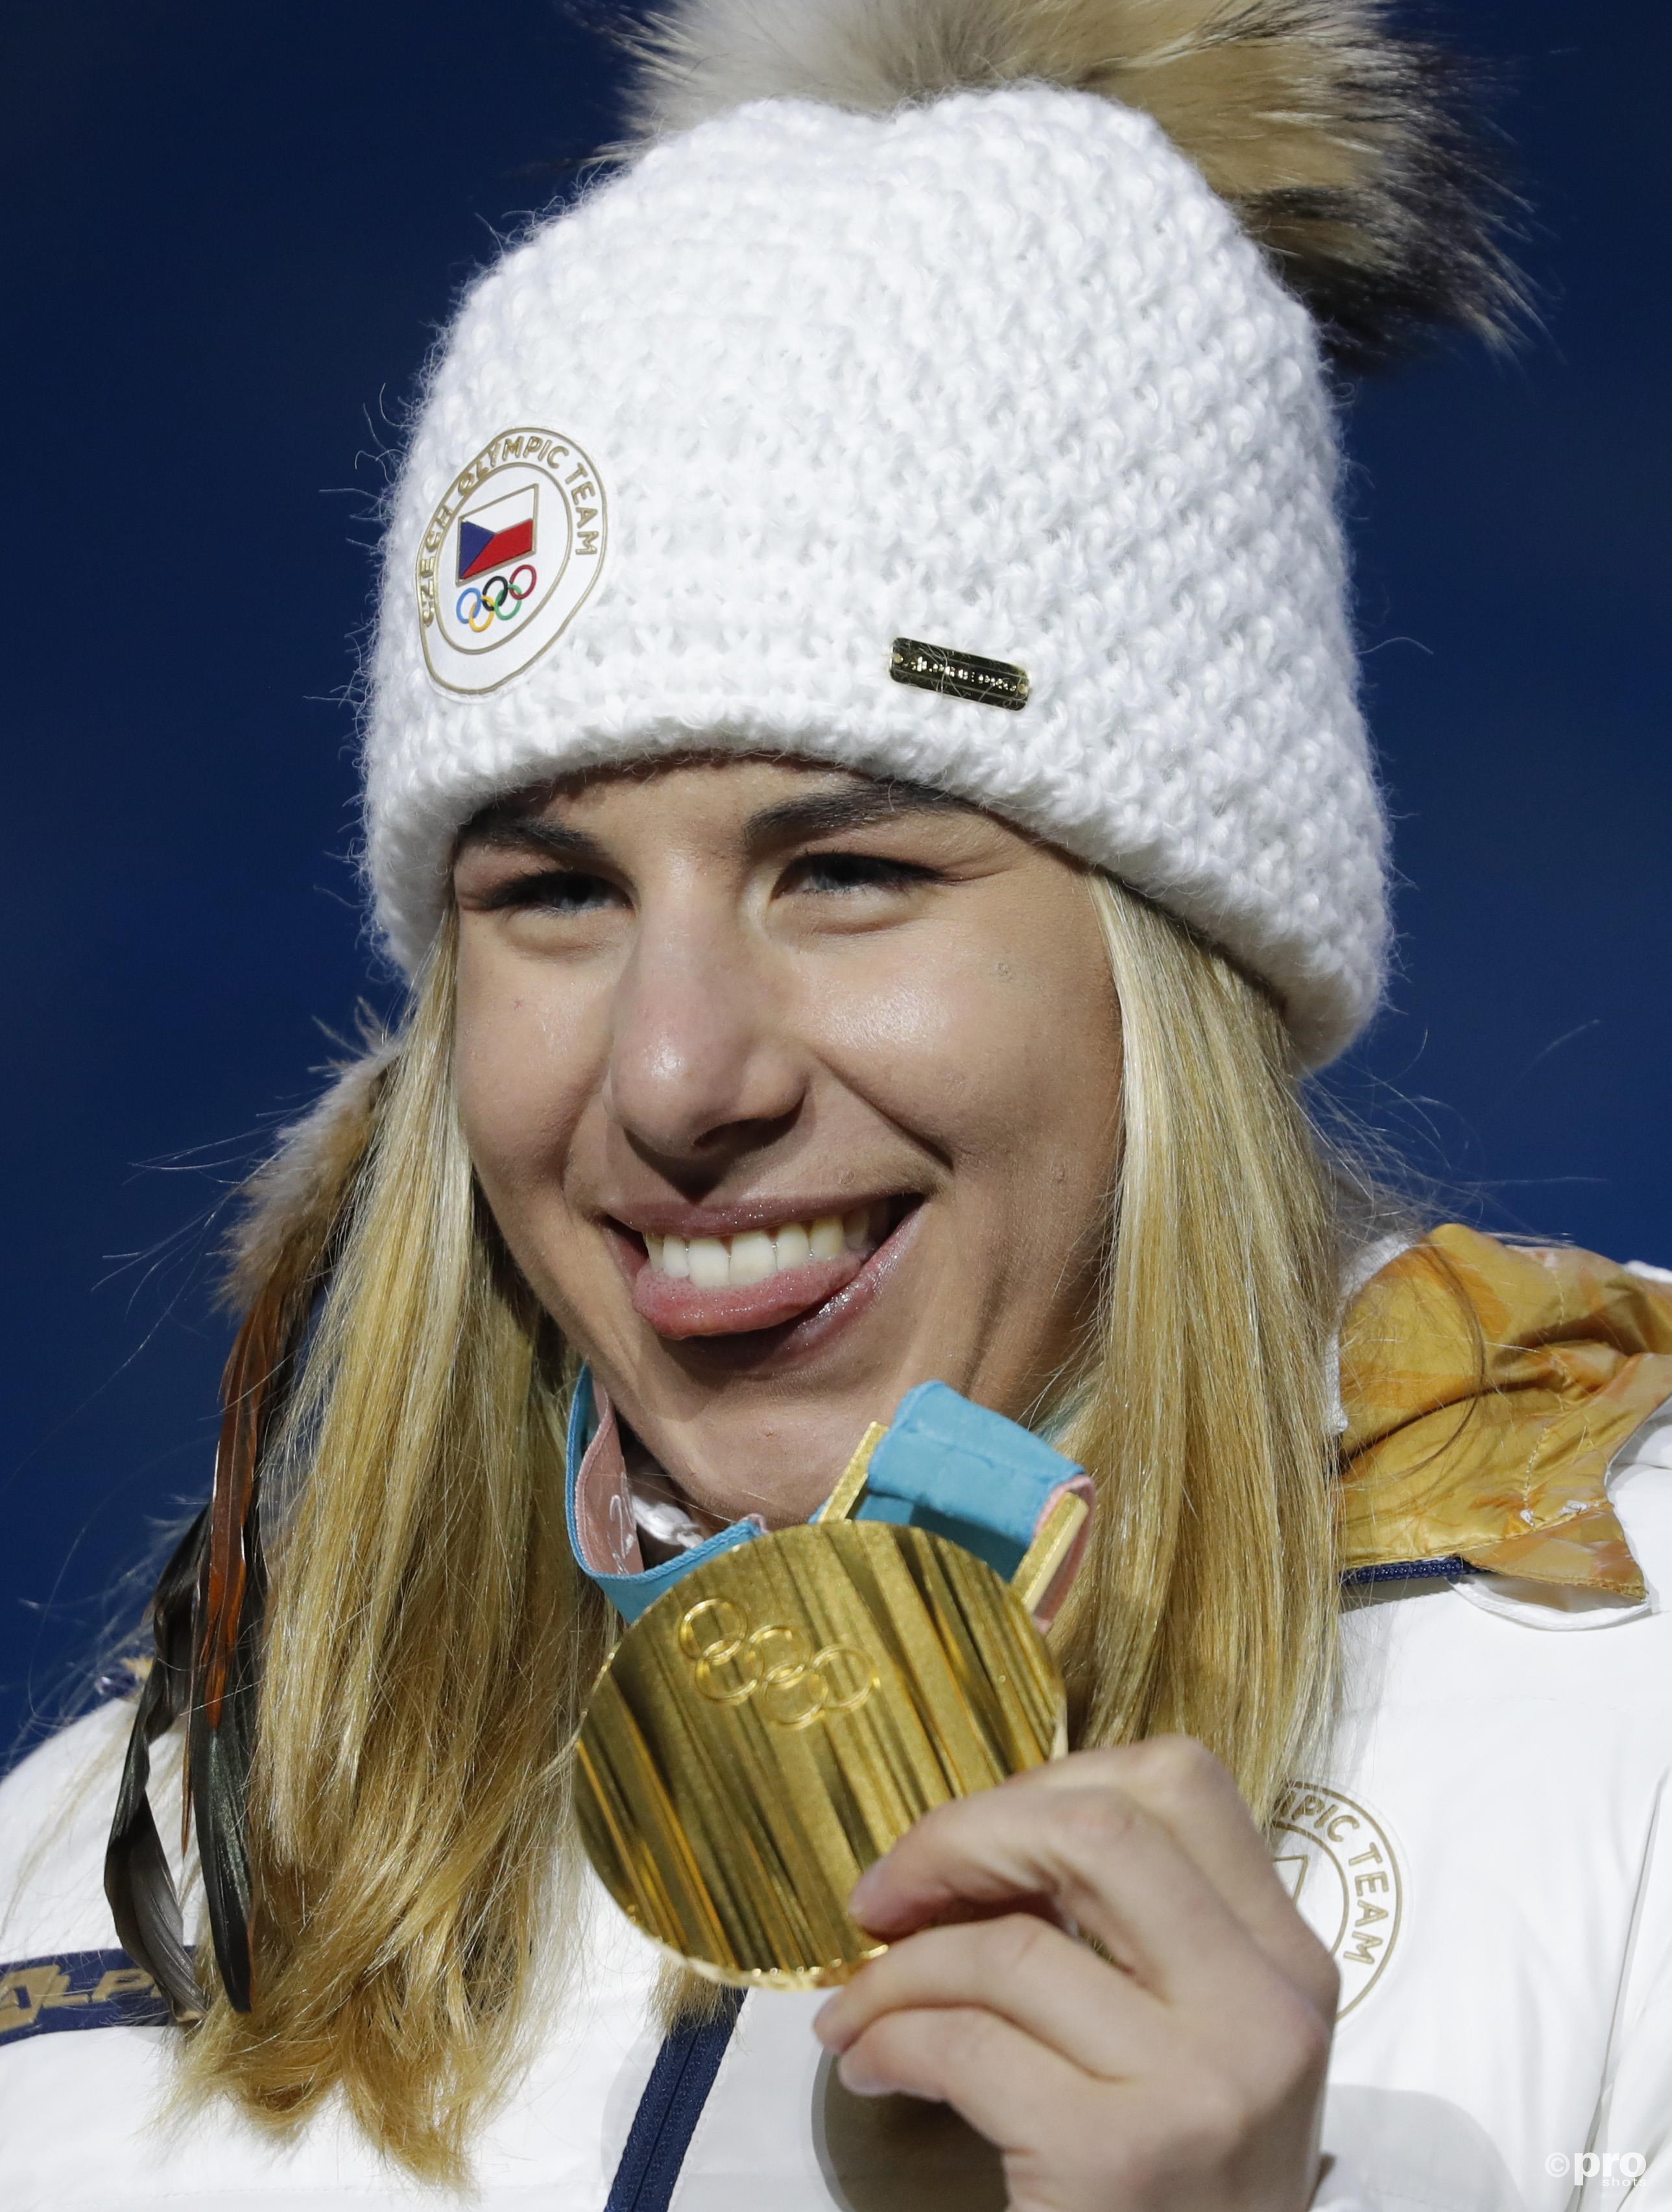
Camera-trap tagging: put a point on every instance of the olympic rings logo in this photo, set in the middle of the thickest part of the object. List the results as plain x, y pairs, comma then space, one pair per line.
795, 1685
484, 610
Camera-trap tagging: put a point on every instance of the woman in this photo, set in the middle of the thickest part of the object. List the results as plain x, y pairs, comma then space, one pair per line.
863, 771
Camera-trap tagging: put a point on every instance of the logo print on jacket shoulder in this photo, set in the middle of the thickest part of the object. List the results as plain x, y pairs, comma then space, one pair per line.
511, 553
1337, 1862
76, 1988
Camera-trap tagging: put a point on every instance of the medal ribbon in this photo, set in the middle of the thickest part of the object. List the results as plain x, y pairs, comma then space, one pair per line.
945, 1465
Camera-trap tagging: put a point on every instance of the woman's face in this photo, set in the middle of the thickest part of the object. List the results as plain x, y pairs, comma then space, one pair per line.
789, 1091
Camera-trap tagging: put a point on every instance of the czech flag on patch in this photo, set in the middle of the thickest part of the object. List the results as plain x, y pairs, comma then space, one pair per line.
502, 531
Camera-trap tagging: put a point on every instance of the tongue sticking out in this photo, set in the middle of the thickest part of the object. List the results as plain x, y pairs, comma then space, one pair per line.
678, 1308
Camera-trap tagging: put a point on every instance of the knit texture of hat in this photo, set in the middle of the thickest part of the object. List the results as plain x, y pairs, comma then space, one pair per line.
999, 372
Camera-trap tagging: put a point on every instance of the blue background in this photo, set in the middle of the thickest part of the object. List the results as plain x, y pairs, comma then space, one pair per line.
231, 234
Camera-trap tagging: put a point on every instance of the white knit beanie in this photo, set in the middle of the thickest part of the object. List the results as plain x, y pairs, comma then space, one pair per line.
972, 440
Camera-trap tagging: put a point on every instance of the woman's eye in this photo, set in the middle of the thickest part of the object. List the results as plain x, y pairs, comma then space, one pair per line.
555, 890
853, 871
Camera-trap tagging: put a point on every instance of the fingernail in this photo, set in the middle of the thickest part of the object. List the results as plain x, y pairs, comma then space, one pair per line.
855, 2082
860, 1894
826, 2028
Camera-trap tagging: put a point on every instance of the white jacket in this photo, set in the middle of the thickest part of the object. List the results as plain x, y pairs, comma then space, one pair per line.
1488, 1850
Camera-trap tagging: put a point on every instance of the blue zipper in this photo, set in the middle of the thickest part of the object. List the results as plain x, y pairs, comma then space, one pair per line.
1398, 1570
684, 2072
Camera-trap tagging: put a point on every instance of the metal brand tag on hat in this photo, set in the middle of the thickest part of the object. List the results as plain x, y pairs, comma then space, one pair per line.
959, 675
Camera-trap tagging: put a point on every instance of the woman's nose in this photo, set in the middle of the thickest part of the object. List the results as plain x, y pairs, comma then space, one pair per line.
703, 1063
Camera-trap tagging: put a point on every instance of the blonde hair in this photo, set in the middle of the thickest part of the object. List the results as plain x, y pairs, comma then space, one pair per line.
1208, 1602
430, 1642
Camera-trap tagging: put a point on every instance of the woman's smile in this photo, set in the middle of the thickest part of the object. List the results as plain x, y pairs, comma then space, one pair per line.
787, 1269
762, 1069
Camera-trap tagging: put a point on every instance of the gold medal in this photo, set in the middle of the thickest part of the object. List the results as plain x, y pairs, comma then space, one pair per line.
781, 1716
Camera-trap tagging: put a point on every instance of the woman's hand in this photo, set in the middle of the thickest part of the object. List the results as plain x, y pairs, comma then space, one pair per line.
1186, 2076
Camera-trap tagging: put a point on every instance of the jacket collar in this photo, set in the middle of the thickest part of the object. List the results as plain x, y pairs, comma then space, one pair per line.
1486, 1386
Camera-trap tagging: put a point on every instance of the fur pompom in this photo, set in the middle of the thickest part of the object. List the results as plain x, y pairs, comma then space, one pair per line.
1346, 152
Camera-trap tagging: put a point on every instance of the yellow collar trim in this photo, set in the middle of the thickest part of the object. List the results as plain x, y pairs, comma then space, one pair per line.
1486, 1386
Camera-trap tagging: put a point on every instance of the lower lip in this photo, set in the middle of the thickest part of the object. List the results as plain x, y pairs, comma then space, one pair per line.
779, 1320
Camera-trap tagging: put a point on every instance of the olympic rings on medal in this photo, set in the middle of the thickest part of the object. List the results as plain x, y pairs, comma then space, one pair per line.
485, 609
797, 1685
730, 1622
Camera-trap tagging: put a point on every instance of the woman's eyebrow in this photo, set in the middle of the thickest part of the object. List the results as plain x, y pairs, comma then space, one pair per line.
856, 806
503, 829
821, 814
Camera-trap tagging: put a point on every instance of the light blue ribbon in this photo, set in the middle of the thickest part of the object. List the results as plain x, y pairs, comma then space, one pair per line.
946, 1465
630, 1594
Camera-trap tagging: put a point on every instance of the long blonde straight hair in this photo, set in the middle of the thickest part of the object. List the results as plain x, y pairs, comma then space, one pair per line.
430, 1643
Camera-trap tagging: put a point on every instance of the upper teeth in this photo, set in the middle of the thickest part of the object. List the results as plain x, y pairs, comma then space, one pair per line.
718, 1263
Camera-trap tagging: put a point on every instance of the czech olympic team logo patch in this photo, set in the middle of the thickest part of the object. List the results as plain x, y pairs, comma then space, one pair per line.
1337, 1862
509, 556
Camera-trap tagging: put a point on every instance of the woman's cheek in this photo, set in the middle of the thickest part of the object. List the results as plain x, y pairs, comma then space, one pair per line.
970, 1054
521, 1073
